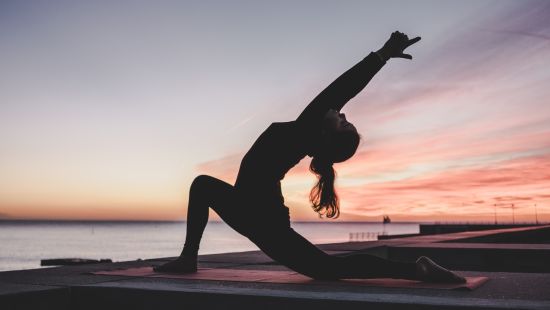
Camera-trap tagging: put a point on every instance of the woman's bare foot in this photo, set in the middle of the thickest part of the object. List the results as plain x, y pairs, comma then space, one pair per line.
427, 270
183, 264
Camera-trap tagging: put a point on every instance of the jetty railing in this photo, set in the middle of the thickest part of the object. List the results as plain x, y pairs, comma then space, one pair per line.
365, 236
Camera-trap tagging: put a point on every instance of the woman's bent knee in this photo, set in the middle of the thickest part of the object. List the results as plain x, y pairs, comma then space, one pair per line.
202, 181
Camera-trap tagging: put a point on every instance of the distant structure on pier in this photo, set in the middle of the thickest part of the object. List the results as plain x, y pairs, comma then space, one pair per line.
386, 219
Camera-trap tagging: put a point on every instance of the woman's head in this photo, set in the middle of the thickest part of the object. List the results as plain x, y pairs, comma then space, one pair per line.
339, 138
339, 141
336, 121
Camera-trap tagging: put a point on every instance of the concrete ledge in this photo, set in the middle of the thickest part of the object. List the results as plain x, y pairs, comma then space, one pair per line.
475, 258
25, 296
172, 296
428, 229
464, 251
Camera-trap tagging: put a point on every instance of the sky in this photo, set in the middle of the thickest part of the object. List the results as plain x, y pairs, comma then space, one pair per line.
109, 109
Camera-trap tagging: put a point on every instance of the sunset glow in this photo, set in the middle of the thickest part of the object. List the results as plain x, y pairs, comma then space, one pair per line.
114, 120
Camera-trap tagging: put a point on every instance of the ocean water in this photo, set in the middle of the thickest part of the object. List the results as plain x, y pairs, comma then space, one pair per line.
24, 244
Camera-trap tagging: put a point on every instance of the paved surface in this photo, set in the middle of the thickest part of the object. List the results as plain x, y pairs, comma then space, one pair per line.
74, 287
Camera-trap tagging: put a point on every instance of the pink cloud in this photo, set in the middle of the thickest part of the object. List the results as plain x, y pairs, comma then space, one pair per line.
451, 192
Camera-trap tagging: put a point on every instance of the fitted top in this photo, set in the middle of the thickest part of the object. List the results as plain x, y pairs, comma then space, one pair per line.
284, 144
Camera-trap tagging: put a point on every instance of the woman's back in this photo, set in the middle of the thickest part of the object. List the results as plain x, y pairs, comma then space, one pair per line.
279, 148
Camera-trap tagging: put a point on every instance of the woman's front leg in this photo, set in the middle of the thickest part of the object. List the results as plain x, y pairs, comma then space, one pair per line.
205, 192
200, 194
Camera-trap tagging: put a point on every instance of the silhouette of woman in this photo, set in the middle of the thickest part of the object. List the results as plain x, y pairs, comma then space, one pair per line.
255, 208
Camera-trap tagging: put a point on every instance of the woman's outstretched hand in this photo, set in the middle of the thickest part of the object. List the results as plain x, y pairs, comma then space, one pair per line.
395, 46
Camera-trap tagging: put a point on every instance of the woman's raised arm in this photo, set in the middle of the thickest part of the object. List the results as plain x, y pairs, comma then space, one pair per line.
345, 87
349, 84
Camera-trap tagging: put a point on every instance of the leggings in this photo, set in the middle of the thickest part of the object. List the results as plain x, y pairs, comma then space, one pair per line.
279, 241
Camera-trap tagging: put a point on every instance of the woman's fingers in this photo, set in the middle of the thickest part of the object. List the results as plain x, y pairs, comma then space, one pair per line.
406, 56
413, 41
409, 43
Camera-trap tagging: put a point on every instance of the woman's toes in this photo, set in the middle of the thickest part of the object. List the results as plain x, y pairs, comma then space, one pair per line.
428, 270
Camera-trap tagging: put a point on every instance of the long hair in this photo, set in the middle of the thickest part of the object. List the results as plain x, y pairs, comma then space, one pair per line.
323, 197
337, 147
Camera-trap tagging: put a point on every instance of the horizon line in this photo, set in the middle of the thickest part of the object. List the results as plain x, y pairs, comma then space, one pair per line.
299, 221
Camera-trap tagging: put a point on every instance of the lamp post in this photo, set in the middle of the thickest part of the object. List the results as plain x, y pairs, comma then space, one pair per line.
495, 205
536, 215
513, 215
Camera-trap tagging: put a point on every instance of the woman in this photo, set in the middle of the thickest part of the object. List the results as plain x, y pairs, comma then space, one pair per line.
254, 206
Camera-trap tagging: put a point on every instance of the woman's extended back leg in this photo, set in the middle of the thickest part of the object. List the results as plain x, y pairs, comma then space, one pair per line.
294, 251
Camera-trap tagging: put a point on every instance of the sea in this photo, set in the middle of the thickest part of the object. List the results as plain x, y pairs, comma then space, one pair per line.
24, 243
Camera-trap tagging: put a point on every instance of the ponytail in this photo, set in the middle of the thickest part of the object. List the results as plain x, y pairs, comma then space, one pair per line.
323, 196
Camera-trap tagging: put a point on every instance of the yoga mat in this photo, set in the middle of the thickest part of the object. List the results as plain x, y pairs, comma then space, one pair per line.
288, 277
